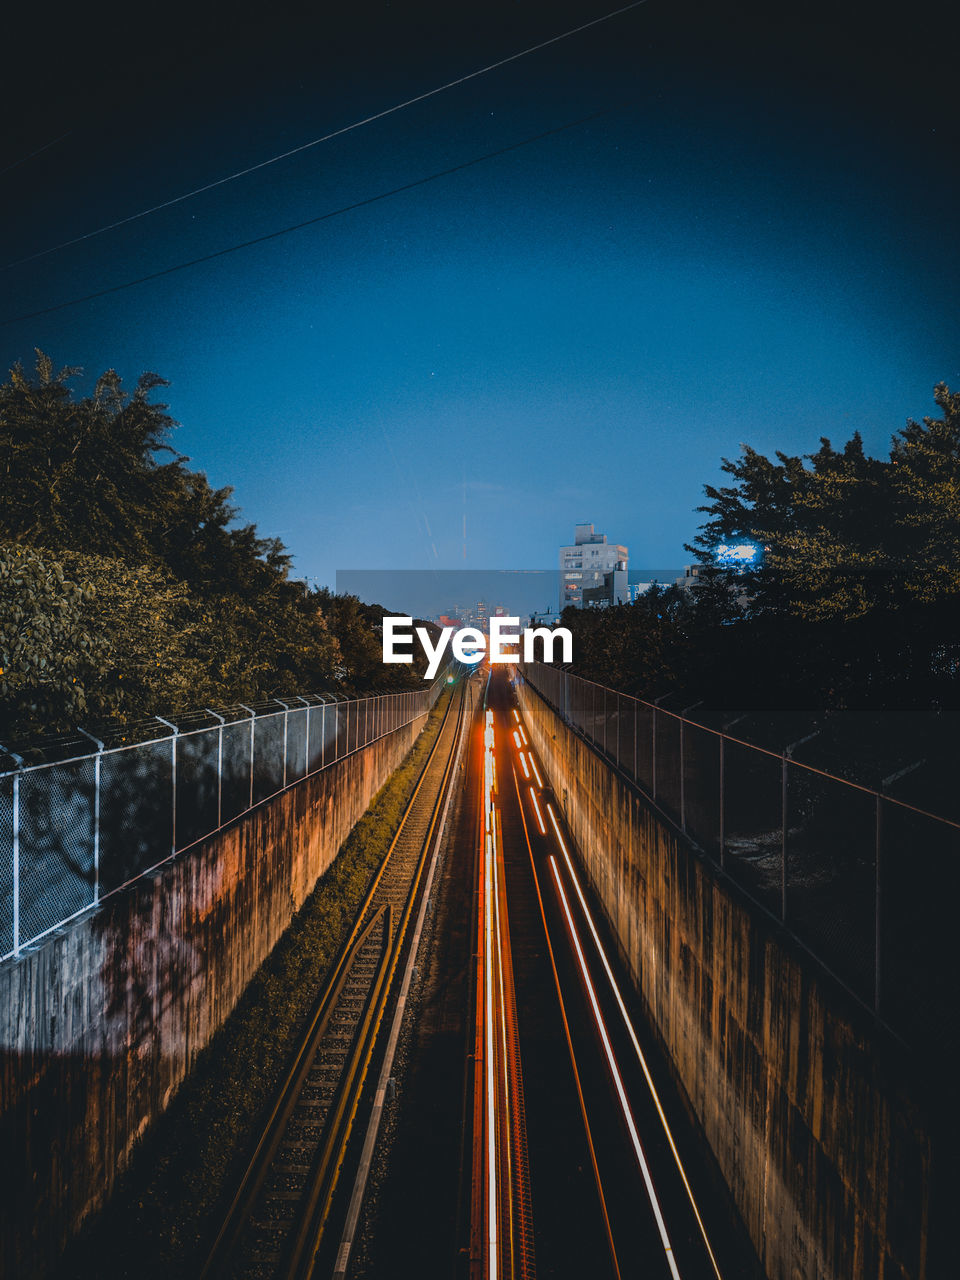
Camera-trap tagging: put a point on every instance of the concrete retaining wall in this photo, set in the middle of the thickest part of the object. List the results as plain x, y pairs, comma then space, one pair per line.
816, 1120
100, 1023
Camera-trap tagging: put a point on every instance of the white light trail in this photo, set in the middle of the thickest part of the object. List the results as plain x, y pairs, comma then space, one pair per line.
536, 807
536, 771
633, 1038
503, 1012
618, 1082
523, 764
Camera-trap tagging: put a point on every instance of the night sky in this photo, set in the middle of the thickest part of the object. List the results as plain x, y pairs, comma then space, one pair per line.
740, 227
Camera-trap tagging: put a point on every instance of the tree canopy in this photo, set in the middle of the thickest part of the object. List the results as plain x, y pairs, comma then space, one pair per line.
127, 584
856, 600
848, 533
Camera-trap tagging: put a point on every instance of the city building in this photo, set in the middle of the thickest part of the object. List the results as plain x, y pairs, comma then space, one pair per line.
614, 589
691, 577
585, 566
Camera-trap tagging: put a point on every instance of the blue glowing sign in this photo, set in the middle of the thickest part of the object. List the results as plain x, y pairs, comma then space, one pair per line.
738, 555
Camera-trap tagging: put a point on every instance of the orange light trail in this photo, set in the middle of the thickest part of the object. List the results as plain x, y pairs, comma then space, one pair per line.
488, 911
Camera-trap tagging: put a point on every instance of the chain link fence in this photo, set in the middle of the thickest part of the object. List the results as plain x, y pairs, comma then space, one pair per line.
857, 876
74, 830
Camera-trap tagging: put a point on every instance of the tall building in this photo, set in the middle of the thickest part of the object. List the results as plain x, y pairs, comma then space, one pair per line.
595, 565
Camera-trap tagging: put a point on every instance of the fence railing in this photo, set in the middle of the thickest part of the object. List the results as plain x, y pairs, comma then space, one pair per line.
858, 877
74, 831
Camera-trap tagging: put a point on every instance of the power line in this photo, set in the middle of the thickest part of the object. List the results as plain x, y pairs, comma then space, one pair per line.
315, 142
23, 160
321, 217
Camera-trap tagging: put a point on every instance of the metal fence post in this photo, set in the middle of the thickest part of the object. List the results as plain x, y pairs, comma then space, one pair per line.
877, 928
16, 863
783, 837
722, 814
222, 721
286, 717
683, 789
173, 774
655, 707
306, 749
253, 716
96, 814
96, 828
636, 771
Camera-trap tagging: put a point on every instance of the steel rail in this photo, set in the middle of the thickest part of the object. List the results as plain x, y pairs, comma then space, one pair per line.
318, 1205
243, 1201
376, 1114
242, 1206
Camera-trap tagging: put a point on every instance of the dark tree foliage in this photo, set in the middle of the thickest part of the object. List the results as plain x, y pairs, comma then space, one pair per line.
856, 602
127, 587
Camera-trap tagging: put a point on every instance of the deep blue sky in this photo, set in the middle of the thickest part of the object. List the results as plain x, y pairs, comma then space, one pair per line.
755, 241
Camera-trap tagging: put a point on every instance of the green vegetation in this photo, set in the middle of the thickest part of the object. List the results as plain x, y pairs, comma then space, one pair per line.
127, 587
159, 1221
856, 603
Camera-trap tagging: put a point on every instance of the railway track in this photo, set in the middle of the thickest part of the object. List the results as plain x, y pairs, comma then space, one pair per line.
276, 1221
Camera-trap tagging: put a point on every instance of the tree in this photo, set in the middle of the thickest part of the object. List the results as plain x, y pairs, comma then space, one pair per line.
132, 588
848, 534
925, 489
48, 651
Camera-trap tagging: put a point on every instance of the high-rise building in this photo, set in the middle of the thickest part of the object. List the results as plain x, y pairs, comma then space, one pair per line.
591, 563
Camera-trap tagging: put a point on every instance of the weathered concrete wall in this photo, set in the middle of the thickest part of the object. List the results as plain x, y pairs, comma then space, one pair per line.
100, 1023
815, 1119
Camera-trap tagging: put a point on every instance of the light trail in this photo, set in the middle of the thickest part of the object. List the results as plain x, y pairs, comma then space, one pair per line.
523, 764
566, 1031
516, 738
633, 1039
489, 1054
507, 1233
617, 1080
523, 736
503, 1012
536, 808
536, 771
